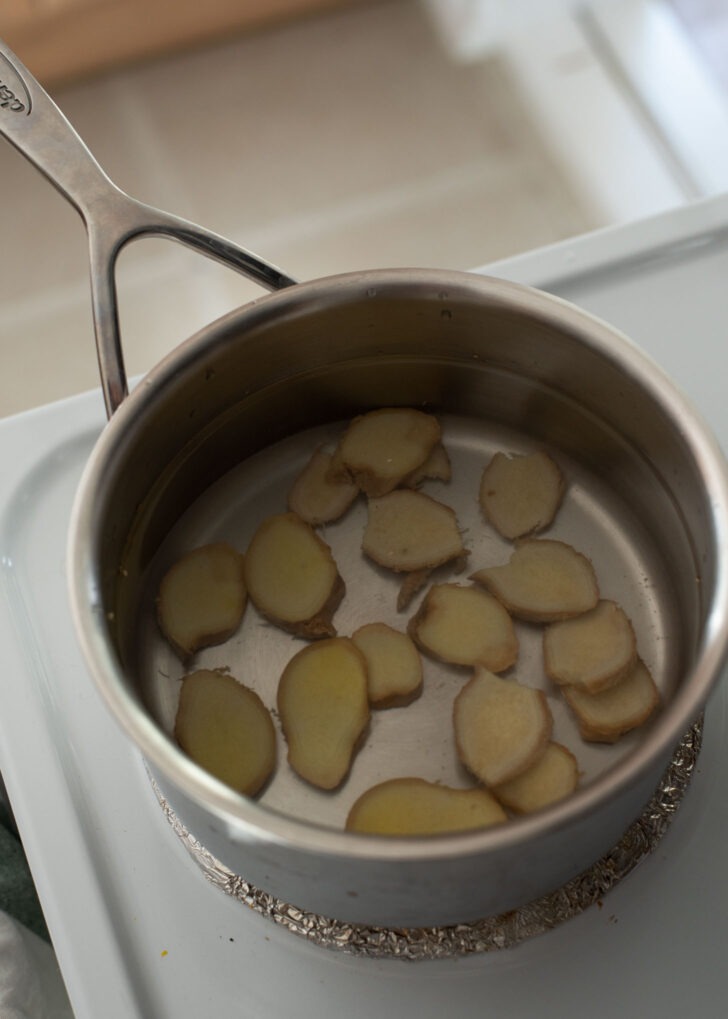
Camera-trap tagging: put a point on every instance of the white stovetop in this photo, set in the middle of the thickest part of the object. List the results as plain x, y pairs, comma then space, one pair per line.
140, 933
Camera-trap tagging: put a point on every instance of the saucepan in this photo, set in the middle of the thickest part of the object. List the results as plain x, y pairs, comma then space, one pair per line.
208, 443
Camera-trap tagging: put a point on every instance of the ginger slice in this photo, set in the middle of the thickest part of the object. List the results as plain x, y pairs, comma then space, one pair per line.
324, 709
407, 531
553, 777
414, 806
604, 717
520, 494
317, 496
381, 448
501, 726
437, 467
394, 666
544, 581
464, 625
412, 584
593, 651
292, 578
226, 729
202, 598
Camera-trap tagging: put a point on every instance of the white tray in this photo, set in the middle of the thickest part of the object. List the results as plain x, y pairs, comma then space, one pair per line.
138, 930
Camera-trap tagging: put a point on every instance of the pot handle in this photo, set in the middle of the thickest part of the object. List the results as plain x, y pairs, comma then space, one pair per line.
31, 121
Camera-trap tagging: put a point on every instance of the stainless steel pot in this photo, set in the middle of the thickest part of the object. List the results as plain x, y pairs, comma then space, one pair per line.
206, 445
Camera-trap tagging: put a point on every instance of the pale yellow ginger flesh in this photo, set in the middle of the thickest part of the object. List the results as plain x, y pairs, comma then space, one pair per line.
409, 531
324, 709
501, 726
226, 729
464, 625
394, 666
380, 449
520, 494
593, 651
604, 717
437, 467
317, 496
414, 806
544, 581
202, 598
292, 577
553, 777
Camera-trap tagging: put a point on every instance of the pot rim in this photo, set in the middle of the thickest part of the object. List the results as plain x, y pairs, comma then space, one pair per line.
249, 819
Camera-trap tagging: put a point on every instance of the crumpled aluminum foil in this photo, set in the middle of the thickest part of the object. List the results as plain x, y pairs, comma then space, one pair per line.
491, 933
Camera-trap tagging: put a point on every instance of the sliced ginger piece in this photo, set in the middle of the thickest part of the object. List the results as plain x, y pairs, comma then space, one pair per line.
464, 625
394, 666
591, 652
544, 581
381, 448
202, 598
324, 709
407, 531
226, 729
437, 467
553, 777
501, 726
415, 580
414, 806
604, 717
318, 495
412, 584
292, 578
520, 494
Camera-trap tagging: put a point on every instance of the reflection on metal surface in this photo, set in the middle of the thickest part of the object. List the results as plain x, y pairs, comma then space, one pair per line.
491, 933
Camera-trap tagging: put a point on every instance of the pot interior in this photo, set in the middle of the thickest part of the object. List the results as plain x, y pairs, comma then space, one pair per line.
210, 442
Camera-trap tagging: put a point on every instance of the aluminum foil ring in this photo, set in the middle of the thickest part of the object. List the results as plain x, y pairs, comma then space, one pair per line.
492, 933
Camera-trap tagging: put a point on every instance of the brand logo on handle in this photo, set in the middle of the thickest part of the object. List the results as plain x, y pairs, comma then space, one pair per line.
14, 96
